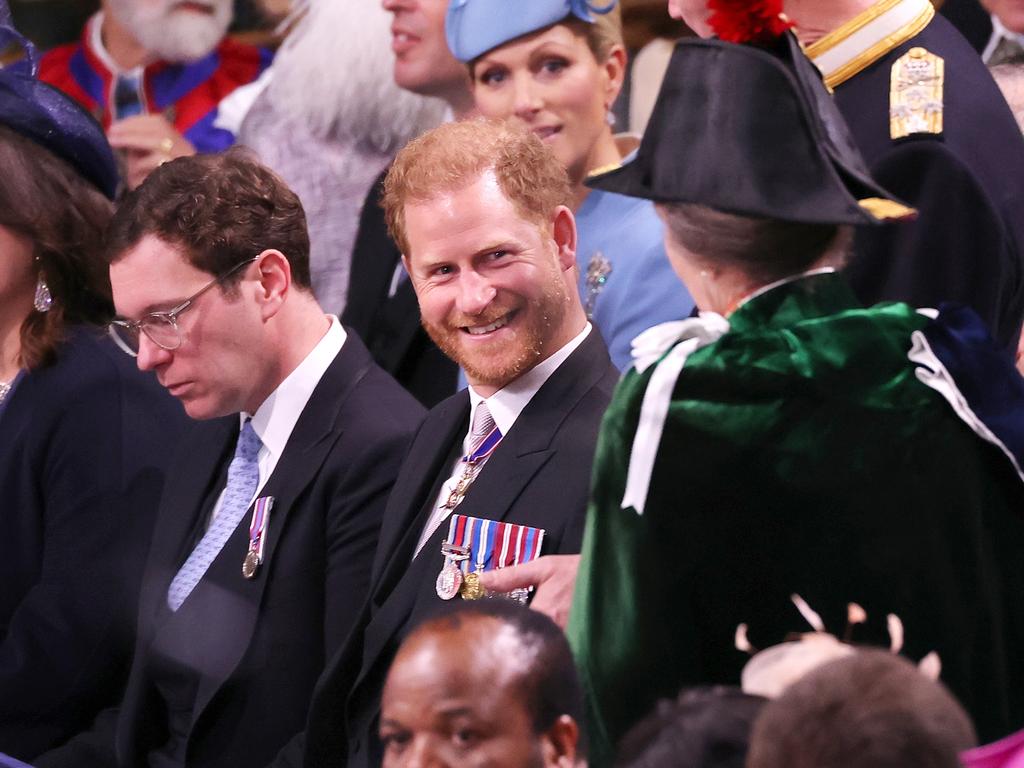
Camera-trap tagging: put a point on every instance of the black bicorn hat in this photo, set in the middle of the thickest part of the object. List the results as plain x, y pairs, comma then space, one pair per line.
751, 130
46, 116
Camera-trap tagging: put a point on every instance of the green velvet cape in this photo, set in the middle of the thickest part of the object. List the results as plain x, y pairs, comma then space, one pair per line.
800, 454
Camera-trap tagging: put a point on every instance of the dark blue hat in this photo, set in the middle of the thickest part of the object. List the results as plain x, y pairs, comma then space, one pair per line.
46, 116
474, 27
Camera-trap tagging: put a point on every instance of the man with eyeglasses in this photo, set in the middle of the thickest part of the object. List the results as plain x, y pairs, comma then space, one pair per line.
262, 550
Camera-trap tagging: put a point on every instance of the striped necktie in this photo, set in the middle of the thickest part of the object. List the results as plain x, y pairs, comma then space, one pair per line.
483, 425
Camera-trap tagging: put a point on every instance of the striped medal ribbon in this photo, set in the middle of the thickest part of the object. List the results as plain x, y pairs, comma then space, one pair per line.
475, 545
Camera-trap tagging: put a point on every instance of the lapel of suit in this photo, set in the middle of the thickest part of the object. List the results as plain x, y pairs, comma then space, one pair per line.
415, 489
224, 596
205, 449
493, 494
527, 447
201, 460
400, 317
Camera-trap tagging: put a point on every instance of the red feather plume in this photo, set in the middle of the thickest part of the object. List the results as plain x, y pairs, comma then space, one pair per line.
747, 21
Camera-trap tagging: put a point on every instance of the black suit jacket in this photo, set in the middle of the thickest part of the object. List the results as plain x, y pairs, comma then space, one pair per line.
84, 444
967, 244
539, 476
259, 645
390, 325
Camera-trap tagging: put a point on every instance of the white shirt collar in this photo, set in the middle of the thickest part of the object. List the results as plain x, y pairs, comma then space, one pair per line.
792, 278
999, 32
508, 402
275, 419
95, 37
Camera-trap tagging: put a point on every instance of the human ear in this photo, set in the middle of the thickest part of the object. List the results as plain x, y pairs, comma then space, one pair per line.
274, 281
563, 230
559, 743
615, 72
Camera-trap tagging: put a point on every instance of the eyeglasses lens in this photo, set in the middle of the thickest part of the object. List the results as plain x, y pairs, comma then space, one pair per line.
127, 337
162, 331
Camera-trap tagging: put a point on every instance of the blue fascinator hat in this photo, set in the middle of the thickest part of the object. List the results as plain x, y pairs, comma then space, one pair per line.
46, 116
474, 27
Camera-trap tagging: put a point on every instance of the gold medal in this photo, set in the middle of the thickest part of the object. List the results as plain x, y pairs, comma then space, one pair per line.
471, 588
250, 564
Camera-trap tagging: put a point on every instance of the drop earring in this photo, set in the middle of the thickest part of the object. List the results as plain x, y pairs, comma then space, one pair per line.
43, 299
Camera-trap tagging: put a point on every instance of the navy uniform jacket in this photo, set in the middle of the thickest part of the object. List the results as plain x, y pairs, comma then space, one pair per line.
967, 244
83, 448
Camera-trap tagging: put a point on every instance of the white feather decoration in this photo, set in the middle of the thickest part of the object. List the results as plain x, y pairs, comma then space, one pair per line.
808, 613
742, 643
895, 633
334, 72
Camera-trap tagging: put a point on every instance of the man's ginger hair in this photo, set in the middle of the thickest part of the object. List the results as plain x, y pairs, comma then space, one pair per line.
454, 155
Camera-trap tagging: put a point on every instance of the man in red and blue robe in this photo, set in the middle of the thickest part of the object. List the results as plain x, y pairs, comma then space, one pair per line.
155, 78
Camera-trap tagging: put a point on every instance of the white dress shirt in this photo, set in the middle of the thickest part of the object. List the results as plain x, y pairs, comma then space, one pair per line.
999, 33
275, 419
96, 42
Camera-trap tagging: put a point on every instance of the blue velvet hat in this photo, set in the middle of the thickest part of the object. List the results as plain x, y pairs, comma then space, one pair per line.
474, 27
46, 116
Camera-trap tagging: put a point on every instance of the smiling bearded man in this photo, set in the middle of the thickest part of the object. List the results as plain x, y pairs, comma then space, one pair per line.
529, 320
154, 72
498, 473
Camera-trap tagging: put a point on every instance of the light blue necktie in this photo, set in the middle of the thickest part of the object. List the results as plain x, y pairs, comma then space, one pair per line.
243, 477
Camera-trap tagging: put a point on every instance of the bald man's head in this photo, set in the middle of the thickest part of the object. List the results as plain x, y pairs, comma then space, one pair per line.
491, 684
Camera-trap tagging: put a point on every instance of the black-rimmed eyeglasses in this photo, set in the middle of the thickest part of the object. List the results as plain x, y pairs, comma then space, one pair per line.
162, 327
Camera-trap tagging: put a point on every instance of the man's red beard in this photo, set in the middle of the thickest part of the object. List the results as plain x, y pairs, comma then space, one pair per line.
509, 359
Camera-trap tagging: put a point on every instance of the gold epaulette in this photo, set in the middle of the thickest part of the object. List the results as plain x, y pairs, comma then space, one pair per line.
915, 94
886, 210
603, 169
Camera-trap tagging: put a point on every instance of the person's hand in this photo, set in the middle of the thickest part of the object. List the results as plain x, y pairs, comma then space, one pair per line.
146, 142
1020, 352
554, 577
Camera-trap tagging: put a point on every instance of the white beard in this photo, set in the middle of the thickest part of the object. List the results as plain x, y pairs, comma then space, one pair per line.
170, 34
341, 84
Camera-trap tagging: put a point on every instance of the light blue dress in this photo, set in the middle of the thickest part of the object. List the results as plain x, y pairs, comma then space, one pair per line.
626, 282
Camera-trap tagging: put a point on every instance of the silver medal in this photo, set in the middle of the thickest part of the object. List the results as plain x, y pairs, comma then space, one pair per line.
448, 581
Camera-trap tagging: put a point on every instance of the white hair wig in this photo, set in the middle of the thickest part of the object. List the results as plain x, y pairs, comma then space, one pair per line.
335, 73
